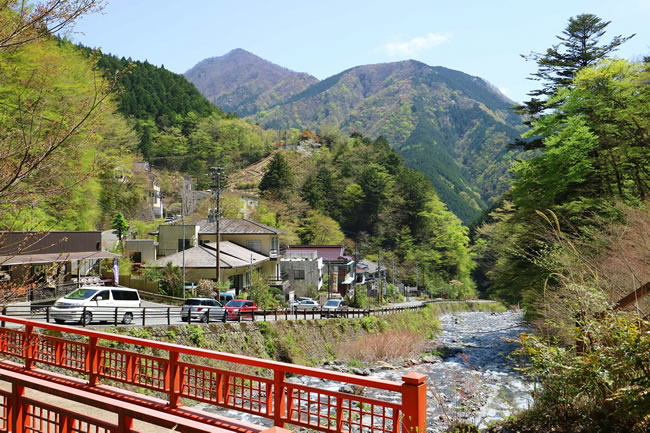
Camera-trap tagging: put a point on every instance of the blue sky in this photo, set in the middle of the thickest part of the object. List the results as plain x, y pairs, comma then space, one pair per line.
483, 38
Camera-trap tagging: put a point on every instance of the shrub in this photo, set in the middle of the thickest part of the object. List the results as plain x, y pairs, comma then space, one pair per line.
206, 289
603, 388
382, 346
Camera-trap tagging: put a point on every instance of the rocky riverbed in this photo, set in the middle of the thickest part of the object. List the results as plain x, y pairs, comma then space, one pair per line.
470, 377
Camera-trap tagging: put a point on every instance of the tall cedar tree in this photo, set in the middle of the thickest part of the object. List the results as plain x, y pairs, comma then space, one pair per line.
579, 48
278, 176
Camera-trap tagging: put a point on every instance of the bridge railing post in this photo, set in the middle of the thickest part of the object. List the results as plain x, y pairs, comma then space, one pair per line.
414, 403
29, 346
93, 361
17, 411
279, 400
174, 380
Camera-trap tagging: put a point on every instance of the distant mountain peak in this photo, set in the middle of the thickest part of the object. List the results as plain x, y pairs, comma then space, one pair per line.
242, 82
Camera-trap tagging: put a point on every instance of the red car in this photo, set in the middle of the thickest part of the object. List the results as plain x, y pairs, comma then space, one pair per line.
238, 308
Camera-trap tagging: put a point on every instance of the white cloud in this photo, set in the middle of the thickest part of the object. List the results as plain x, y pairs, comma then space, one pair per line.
416, 44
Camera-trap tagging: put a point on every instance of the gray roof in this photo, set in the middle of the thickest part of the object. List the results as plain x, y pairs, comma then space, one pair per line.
369, 265
204, 256
237, 226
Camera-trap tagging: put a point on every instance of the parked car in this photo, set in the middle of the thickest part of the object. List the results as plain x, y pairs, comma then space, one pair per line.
334, 306
202, 310
238, 308
226, 297
90, 303
306, 305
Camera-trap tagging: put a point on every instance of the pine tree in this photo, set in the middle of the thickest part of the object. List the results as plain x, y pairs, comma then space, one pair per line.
120, 226
278, 176
579, 48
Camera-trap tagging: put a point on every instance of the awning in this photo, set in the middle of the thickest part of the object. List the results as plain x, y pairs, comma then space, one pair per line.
34, 259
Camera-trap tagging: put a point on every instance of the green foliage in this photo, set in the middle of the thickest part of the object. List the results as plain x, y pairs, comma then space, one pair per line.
120, 226
591, 155
196, 335
317, 229
360, 298
154, 92
605, 388
260, 292
370, 323
278, 176
393, 294
171, 280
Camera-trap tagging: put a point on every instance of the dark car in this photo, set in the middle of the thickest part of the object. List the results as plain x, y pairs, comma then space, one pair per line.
202, 310
238, 308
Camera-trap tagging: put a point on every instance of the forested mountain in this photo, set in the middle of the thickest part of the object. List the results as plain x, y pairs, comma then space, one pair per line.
451, 126
361, 188
243, 83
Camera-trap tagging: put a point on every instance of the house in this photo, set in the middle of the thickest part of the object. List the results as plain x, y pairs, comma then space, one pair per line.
236, 263
246, 245
304, 270
47, 262
340, 268
153, 190
370, 275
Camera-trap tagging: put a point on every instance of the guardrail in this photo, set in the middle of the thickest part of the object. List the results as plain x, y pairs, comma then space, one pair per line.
183, 372
172, 315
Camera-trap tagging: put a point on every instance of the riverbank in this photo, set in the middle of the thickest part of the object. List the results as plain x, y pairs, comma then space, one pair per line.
306, 342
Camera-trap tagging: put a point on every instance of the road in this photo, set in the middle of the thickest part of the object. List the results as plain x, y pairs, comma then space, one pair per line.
157, 314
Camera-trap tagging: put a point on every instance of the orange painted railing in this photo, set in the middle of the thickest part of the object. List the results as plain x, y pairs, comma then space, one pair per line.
182, 372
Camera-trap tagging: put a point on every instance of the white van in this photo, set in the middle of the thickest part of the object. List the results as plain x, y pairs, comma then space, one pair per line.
90, 303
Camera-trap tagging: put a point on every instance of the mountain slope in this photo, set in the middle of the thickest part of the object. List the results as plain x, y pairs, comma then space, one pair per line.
244, 83
451, 126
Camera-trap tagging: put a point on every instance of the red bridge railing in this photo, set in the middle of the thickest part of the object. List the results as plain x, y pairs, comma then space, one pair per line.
184, 372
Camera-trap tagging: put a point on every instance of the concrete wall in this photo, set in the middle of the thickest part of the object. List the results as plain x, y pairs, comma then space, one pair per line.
170, 234
313, 274
146, 247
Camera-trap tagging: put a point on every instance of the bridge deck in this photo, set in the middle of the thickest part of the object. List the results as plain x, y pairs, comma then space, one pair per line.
115, 401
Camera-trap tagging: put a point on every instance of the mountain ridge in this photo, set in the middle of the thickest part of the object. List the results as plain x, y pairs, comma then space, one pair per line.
451, 126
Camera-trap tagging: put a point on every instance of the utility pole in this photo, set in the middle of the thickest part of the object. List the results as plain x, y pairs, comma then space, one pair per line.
217, 174
379, 293
183, 222
416, 276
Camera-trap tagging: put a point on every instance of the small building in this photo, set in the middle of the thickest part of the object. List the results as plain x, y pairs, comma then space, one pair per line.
141, 251
303, 269
370, 275
43, 264
340, 268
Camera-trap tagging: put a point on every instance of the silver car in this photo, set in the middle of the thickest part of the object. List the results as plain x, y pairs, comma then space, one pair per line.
202, 310
306, 305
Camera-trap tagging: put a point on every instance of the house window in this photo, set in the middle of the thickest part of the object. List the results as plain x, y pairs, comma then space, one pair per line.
275, 244
254, 245
298, 274
180, 244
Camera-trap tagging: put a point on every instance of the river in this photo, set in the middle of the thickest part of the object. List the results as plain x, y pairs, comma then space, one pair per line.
473, 378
